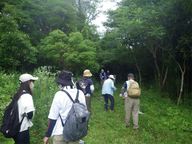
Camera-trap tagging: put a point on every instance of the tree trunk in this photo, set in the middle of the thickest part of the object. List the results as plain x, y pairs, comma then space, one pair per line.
158, 72
165, 77
181, 89
139, 72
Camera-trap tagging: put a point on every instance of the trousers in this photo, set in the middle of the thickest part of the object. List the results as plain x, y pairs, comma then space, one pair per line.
132, 106
88, 103
22, 137
58, 139
110, 97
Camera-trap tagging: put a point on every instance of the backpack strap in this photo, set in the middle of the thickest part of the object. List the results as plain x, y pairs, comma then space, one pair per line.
77, 96
76, 100
24, 114
61, 120
68, 95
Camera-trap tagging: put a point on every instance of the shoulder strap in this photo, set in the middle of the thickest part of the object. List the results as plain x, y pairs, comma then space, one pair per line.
71, 100
68, 95
77, 96
76, 100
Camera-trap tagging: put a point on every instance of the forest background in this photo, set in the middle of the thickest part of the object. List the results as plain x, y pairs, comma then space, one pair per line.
152, 39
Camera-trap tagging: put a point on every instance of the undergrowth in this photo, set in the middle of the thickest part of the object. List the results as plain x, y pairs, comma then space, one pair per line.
162, 122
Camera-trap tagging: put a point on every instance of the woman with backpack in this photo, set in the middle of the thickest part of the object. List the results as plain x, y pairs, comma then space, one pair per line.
24, 97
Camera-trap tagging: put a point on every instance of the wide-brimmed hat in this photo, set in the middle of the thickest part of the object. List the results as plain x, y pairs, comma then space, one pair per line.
87, 73
112, 77
64, 78
130, 75
27, 77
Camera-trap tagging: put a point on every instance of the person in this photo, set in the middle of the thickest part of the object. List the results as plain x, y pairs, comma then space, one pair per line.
107, 74
102, 76
107, 91
131, 104
61, 105
89, 88
24, 96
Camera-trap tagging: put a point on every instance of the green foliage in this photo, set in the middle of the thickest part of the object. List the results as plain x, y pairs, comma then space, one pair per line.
70, 52
162, 121
15, 46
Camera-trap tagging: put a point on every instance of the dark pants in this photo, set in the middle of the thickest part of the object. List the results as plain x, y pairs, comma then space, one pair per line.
22, 137
106, 96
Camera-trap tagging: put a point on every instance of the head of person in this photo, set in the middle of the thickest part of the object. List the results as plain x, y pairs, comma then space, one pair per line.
102, 70
130, 76
107, 71
111, 77
64, 79
26, 84
87, 73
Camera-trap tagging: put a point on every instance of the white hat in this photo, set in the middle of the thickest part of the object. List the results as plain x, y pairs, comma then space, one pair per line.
111, 76
26, 77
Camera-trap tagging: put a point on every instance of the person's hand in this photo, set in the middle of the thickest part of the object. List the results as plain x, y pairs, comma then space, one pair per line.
46, 140
123, 97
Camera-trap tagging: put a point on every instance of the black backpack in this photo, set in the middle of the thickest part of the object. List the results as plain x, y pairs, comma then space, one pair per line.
10, 125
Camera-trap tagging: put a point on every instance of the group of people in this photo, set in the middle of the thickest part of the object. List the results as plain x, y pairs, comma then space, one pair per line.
61, 104
131, 104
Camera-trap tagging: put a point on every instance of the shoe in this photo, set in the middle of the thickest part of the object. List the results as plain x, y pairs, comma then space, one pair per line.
127, 126
111, 110
101, 96
136, 129
105, 110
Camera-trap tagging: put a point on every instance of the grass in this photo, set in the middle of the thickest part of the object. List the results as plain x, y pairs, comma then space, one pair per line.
162, 122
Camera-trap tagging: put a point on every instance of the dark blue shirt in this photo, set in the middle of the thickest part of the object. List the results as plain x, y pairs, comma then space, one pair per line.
103, 75
89, 83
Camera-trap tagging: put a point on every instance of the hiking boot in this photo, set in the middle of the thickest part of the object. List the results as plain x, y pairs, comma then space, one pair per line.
136, 129
111, 110
127, 126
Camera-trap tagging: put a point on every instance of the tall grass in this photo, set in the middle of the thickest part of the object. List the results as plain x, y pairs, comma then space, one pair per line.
162, 121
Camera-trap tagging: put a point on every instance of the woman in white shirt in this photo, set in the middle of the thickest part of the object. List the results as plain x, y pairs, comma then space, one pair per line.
24, 96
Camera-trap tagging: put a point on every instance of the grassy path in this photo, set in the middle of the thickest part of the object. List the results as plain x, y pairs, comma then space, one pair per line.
162, 122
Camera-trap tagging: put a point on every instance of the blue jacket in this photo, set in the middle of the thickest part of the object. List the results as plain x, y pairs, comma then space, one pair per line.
108, 87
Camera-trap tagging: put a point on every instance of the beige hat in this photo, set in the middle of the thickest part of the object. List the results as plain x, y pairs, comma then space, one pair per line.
26, 77
112, 77
87, 73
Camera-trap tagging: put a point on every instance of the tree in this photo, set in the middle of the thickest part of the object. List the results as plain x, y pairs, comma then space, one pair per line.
15, 46
69, 52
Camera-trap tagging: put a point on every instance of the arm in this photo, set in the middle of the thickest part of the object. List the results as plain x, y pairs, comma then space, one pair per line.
92, 88
123, 90
105, 75
50, 127
113, 86
30, 115
53, 116
100, 76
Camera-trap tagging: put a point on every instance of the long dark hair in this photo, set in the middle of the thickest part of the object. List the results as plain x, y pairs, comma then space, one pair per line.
23, 86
